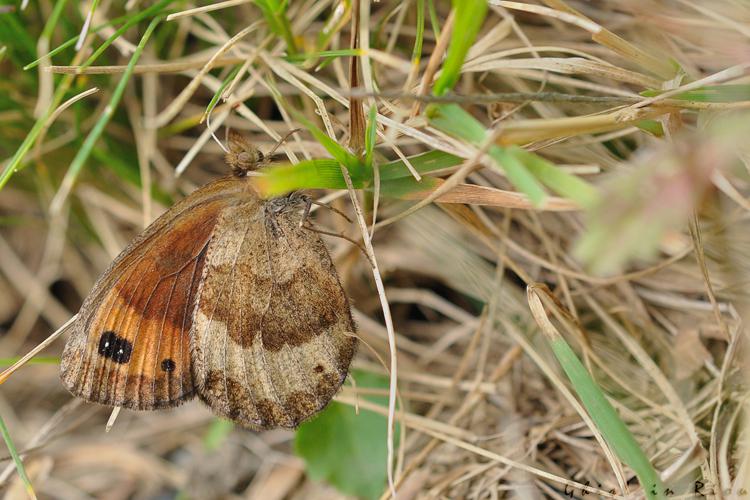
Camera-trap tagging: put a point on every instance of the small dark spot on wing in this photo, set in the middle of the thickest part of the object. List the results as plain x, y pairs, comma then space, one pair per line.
168, 365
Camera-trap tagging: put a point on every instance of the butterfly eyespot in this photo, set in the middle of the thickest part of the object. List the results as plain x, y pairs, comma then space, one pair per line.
114, 347
168, 365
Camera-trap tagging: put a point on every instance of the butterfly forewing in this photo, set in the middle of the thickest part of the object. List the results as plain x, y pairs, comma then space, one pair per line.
130, 344
272, 335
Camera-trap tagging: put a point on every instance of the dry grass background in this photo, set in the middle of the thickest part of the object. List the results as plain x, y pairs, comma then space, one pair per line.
652, 302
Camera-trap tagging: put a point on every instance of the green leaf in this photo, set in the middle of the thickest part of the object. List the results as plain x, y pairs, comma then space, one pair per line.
330, 54
469, 18
557, 180
322, 173
325, 173
370, 134
345, 449
358, 170
13, 34
400, 188
653, 127
613, 429
709, 93
36, 360
526, 171
16, 459
452, 119
275, 13
423, 163
154, 9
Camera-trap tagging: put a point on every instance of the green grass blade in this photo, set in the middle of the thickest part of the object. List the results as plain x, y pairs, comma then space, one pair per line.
16, 459
470, 15
423, 163
49, 26
332, 54
613, 429
709, 93
605, 417
322, 173
13, 34
155, 9
370, 134
275, 13
452, 119
36, 360
96, 131
518, 174
340, 13
557, 180
219, 91
356, 167
526, 171
71, 41
434, 18
416, 54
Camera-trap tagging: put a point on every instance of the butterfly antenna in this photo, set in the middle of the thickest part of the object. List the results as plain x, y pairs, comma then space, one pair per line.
332, 209
281, 141
310, 227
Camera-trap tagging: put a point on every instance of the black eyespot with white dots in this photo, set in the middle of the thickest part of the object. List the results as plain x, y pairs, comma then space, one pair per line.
168, 365
114, 347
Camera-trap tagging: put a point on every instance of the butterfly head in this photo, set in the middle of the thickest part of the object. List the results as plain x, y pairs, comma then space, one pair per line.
242, 156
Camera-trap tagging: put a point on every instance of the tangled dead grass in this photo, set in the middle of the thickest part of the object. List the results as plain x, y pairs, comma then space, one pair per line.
487, 411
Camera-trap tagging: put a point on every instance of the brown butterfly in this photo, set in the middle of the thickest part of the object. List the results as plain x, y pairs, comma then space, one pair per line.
225, 296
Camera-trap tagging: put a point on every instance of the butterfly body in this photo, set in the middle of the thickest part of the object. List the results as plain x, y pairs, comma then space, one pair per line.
224, 296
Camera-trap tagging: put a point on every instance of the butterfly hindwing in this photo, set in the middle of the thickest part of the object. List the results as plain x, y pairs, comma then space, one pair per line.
130, 344
272, 335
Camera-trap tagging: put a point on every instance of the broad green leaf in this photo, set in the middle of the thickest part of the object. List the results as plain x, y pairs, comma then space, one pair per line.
345, 449
323, 173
